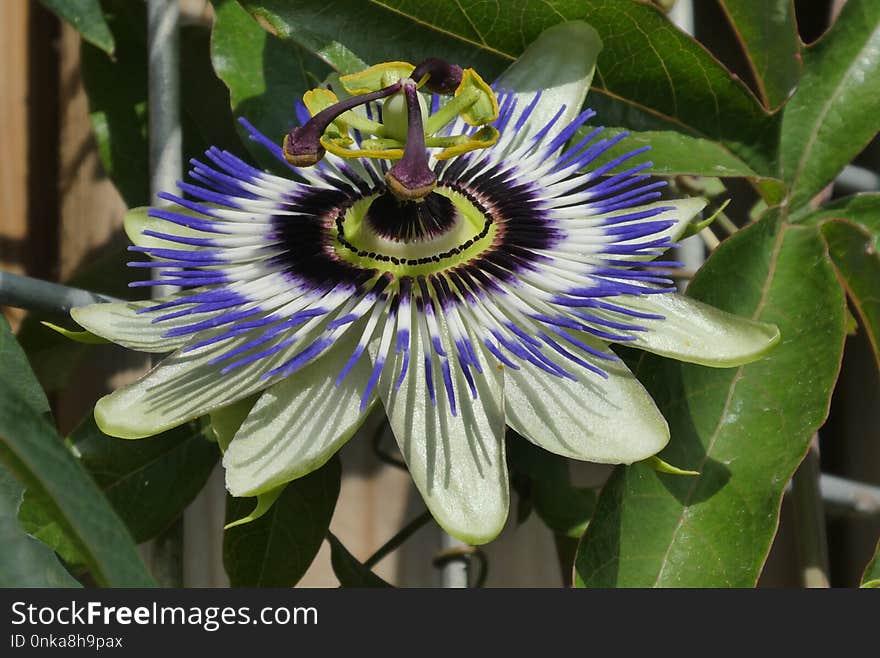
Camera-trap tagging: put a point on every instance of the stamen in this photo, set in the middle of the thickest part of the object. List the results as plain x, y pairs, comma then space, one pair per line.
411, 179
443, 77
302, 145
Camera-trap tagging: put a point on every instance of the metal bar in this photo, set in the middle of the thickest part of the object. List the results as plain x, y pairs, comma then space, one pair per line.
455, 574
165, 144
44, 296
691, 252
163, 47
841, 494
853, 180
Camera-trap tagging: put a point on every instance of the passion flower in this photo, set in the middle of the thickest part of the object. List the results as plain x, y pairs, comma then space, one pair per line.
449, 249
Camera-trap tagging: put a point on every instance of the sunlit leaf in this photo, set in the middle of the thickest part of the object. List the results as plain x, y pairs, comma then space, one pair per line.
769, 37
647, 65
744, 429
836, 109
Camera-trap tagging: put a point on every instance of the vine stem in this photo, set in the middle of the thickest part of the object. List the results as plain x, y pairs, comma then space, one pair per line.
398, 539
809, 520
44, 296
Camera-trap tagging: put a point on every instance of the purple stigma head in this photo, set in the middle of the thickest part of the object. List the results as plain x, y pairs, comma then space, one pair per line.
411, 179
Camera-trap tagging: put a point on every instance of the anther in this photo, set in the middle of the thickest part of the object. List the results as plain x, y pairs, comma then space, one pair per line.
411, 179
443, 77
302, 145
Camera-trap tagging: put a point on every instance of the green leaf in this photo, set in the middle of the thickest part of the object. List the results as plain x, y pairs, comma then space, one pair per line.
24, 561
32, 449
646, 66
851, 227
836, 109
149, 482
663, 467
38, 517
16, 370
32, 556
769, 37
871, 577
563, 508
348, 570
277, 549
87, 17
84, 337
861, 209
744, 429
265, 75
675, 153
117, 91
853, 250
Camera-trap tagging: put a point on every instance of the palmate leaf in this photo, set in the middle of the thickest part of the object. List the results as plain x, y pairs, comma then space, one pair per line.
769, 37
836, 109
719, 128
851, 227
744, 429
265, 75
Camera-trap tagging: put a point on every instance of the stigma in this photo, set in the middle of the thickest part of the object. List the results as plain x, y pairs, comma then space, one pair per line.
385, 117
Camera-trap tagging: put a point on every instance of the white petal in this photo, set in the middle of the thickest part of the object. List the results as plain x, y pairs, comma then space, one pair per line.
683, 212
298, 423
186, 385
120, 322
560, 63
136, 222
696, 332
457, 462
611, 421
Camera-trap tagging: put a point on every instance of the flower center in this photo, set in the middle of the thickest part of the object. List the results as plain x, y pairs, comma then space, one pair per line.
411, 238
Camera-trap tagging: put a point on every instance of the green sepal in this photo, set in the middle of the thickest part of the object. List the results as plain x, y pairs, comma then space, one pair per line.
661, 466
86, 337
696, 227
264, 504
